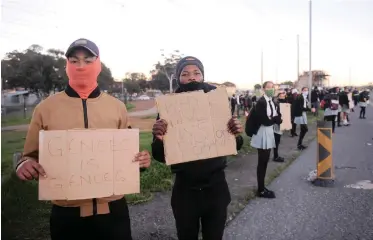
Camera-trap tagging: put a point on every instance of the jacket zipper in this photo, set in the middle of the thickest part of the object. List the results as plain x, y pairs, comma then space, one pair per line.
84, 102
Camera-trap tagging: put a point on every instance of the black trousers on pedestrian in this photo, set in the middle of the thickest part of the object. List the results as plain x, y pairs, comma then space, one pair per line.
339, 118
233, 107
362, 111
293, 126
263, 158
200, 207
330, 118
66, 223
303, 131
277, 141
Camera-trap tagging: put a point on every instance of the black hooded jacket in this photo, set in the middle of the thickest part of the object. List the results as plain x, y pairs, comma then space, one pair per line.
196, 174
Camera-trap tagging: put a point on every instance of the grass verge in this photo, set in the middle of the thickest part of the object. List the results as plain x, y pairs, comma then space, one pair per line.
25, 217
20, 120
130, 106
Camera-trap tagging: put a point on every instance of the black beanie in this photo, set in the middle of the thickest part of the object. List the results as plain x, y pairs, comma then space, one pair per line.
189, 60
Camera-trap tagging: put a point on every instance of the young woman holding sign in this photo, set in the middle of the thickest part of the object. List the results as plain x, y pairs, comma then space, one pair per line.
200, 193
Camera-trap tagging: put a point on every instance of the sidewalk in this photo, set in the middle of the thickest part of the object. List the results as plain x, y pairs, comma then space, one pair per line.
154, 219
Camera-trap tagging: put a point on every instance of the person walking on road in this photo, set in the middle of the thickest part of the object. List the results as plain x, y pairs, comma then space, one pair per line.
200, 195
263, 138
330, 106
363, 103
300, 115
81, 105
345, 106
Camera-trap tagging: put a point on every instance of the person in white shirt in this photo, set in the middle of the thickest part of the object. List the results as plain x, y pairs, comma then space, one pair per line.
263, 138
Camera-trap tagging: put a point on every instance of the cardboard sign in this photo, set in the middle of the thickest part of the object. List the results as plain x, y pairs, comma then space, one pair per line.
197, 125
83, 164
285, 109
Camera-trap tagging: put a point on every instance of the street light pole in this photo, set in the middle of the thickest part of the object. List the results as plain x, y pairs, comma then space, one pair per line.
123, 90
297, 57
261, 66
310, 50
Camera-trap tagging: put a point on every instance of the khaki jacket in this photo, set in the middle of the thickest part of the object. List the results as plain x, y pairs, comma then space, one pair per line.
66, 110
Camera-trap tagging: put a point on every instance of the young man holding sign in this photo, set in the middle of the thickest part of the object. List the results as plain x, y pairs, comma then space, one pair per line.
81, 105
200, 192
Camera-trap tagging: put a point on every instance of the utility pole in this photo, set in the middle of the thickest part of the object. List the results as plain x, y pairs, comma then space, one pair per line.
297, 57
261, 67
123, 90
310, 50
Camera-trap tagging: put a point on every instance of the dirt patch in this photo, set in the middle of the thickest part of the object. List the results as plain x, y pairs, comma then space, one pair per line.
144, 124
141, 105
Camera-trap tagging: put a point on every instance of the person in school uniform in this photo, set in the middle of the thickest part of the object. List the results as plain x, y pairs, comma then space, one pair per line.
300, 115
291, 98
233, 103
363, 103
281, 98
345, 105
263, 138
200, 194
330, 106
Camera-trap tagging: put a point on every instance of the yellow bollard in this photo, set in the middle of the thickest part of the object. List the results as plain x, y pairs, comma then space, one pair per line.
325, 169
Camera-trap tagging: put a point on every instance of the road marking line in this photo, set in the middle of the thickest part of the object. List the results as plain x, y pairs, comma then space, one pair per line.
365, 184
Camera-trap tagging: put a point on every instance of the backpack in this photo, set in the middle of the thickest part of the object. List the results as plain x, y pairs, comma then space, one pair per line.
250, 125
322, 104
334, 104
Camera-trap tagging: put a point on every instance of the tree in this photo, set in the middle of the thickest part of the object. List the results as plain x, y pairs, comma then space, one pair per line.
131, 86
160, 81
105, 79
164, 71
41, 72
257, 86
290, 83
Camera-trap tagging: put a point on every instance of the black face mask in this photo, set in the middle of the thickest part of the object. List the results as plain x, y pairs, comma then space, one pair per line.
281, 100
192, 86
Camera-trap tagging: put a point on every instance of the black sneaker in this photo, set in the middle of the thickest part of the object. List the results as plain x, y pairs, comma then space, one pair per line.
301, 147
279, 159
266, 194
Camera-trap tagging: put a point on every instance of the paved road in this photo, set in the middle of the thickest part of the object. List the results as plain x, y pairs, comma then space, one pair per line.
302, 211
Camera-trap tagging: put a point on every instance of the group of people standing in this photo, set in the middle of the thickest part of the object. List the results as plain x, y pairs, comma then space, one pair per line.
200, 194
338, 103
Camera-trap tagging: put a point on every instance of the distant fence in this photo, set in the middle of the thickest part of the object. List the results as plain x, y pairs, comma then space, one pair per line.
17, 111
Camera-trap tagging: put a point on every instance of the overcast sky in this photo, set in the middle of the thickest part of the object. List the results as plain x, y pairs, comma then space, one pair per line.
227, 35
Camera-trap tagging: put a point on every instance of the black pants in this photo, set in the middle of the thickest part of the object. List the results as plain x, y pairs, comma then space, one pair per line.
330, 119
233, 107
207, 206
293, 127
263, 158
303, 131
66, 223
316, 106
277, 140
362, 111
339, 118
